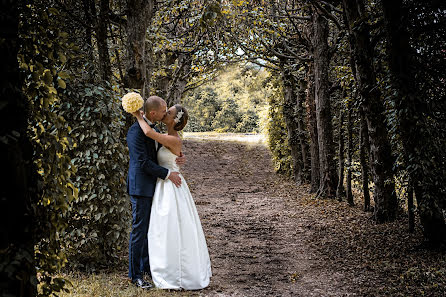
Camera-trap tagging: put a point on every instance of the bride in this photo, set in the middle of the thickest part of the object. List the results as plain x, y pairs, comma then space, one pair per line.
178, 253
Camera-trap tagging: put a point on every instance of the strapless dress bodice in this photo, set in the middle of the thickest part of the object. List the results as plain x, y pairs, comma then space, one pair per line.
167, 159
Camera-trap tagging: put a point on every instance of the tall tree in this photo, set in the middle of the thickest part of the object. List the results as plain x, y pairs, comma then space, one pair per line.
139, 15
302, 128
340, 191
380, 151
312, 128
328, 175
363, 153
291, 120
349, 153
102, 38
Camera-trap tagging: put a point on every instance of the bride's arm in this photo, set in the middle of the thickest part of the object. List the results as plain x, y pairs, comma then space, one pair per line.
164, 139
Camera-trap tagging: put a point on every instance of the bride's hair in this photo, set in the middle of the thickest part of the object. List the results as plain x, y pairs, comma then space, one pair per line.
183, 119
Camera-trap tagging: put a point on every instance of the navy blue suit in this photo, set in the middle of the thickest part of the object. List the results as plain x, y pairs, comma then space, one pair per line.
141, 181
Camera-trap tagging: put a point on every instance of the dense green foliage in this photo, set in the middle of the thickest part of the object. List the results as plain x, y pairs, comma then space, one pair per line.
98, 221
42, 58
77, 130
277, 133
234, 101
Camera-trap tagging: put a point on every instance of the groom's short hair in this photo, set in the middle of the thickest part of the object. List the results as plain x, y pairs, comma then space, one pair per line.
152, 103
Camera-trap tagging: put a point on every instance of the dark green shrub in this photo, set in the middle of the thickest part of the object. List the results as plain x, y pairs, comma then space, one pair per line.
98, 221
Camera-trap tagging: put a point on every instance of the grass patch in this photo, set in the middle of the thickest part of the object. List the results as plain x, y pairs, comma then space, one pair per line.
236, 137
114, 284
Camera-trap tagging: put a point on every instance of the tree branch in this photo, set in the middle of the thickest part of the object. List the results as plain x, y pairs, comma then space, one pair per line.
328, 15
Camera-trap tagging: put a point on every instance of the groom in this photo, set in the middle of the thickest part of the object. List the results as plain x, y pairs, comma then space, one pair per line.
141, 180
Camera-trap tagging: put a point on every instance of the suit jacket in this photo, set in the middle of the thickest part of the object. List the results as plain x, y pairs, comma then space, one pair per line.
143, 166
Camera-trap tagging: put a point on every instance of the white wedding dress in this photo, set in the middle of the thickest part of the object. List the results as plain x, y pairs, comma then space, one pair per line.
178, 253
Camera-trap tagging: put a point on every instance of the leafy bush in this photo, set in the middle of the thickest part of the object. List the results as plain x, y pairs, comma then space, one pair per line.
97, 222
42, 60
277, 134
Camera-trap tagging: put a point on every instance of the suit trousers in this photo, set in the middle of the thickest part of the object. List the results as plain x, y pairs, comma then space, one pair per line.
138, 245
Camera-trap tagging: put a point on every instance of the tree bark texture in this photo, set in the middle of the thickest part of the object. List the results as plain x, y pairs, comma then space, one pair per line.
180, 78
380, 151
102, 39
291, 121
303, 133
411, 123
172, 85
410, 208
340, 191
328, 175
363, 153
312, 128
86, 4
349, 193
18, 275
117, 55
139, 15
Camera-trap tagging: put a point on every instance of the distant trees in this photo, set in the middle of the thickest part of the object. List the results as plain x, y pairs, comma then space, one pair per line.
233, 101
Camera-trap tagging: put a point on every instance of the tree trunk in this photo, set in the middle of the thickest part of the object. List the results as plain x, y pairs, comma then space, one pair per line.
18, 275
380, 151
363, 151
139, 16
411, 117
349, 155
180, 78
289, 114
410, 208
328, 175
117, 55
88, 32
102, 39
312, 127
340, 191
302, 132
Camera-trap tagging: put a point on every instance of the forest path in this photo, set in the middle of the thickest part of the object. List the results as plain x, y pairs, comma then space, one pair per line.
259, 227
268, 237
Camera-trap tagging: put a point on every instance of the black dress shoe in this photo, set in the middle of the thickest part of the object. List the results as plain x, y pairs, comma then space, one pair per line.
142, 284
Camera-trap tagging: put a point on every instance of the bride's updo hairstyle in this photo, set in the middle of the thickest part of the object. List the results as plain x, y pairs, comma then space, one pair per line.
182, 116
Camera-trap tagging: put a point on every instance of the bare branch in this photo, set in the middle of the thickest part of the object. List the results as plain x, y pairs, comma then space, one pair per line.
334, 8
328, 15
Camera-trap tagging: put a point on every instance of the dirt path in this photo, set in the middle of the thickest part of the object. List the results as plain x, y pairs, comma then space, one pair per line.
267, 237
258, 232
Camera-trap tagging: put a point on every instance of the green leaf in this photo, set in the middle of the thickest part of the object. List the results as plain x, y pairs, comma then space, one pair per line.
63, 74
62, 57
47, 77
61, 83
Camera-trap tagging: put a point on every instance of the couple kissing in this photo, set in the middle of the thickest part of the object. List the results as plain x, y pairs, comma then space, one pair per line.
167, 242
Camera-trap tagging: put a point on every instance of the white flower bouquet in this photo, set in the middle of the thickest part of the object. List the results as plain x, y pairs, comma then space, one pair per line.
132, 101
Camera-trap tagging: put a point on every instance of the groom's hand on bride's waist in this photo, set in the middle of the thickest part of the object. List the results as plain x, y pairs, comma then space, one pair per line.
181, 160
175, 178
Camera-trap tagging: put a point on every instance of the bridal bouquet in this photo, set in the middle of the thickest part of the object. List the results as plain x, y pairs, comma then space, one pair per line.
132, 101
